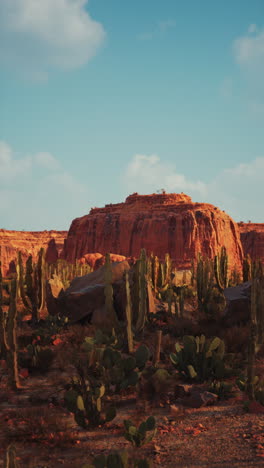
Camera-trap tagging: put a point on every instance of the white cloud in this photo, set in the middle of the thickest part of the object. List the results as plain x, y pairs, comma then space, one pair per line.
249, 50
147, 173
252, 28
161, 28
47, 161
238, 190
37, 36
36, 192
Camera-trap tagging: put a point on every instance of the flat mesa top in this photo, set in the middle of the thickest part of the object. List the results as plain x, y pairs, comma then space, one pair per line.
137, 202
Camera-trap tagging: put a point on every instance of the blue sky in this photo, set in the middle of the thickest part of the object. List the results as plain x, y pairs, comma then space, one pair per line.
102, 98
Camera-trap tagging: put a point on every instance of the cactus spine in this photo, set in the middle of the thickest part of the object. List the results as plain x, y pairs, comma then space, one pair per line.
129, 316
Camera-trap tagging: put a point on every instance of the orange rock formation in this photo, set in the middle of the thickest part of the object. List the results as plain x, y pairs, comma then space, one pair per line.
160, 223
29, 243
252, 239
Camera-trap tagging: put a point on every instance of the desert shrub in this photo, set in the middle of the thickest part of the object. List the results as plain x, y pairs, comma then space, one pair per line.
36, 358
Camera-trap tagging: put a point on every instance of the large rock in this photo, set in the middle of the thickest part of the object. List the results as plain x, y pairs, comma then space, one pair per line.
95, 260
160, 223
237, 304
86, 297
252, 238
29, 243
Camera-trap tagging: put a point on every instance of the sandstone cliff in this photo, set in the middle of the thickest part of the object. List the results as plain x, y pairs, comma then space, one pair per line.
29, 243
252, 239
160, 223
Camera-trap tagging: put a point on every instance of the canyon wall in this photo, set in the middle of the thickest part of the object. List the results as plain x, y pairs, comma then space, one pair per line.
160, 223
29, 243
252, 239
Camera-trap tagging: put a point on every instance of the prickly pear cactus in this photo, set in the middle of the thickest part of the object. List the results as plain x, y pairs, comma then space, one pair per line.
200, 358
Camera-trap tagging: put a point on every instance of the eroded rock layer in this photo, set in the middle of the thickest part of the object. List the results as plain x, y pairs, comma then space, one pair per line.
160, 223
252, 239
29, 243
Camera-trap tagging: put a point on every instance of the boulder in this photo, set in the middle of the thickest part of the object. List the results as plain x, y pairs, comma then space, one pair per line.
85, 297
237, 304
54, 287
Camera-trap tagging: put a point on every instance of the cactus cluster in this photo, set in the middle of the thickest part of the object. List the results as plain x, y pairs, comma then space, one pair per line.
124, 372
8, 334
200, 358
139, 436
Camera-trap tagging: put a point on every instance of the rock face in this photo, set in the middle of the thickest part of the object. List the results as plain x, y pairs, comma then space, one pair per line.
160, 223
29, 243
252, 239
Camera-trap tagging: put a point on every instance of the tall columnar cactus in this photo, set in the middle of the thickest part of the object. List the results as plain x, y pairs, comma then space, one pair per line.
167, 272
142, 283
155, 272
3, 339
108, 291
20, 280
221, 269
12, 339
204, 283
247, 268
129, 315
41, 279
181, 302
252, 340
10, 457
31, 288
156, 357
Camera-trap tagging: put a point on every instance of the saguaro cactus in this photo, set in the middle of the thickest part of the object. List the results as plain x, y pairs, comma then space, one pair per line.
252, 340
10, 457
41, 279
3, 339
142, 281
203, 283
221, 269
129, 315
12, 339
108, 290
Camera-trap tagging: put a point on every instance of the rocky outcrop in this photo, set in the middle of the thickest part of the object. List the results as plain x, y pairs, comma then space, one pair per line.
96, 260
252, 239
160, 223
29, 243
85, 298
